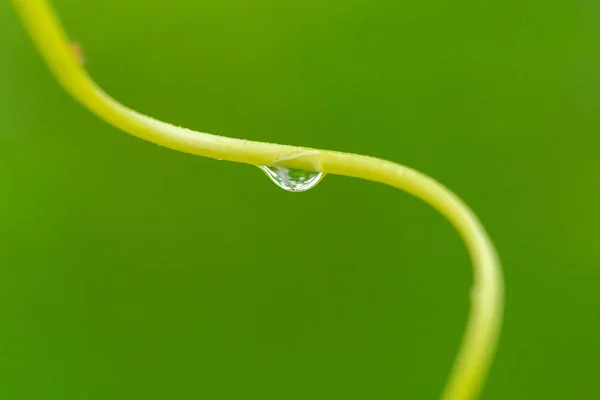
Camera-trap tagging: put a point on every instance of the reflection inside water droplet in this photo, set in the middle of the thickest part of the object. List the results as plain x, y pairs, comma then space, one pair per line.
293, 180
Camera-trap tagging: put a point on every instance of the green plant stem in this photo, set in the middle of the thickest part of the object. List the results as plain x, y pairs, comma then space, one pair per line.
484, 323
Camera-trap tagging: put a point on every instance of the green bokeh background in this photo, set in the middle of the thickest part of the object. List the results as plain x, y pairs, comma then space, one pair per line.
129, 271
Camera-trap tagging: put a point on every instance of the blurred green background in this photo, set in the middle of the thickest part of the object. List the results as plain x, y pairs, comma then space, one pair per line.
131, 271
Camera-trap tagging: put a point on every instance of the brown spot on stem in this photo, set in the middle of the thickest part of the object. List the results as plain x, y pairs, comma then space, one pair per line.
78, 50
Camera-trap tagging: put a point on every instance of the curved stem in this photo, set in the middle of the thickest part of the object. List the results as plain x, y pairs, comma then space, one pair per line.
483, 326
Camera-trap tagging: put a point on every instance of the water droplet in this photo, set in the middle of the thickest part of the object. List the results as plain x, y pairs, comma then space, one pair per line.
293, 180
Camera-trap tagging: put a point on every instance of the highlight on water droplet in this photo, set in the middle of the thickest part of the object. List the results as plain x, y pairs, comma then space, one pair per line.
293, 180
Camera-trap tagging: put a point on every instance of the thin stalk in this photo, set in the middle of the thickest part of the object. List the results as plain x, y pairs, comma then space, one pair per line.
479, 342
